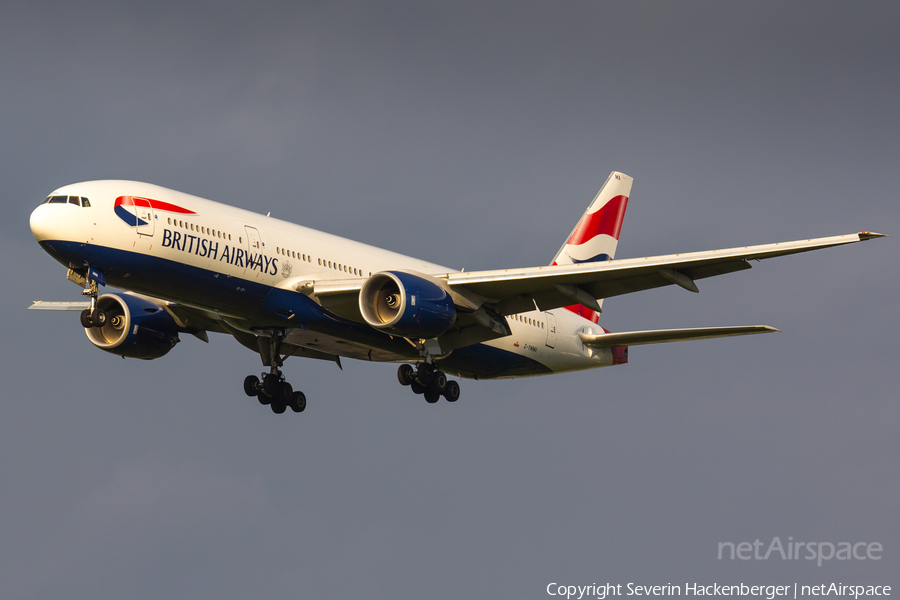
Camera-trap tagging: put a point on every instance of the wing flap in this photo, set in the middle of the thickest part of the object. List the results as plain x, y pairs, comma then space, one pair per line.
661, 336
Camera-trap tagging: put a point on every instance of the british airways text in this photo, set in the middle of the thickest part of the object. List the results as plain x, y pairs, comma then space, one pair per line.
208, 248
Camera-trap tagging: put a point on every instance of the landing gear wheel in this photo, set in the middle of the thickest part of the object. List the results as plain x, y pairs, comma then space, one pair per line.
451, 391
298, 402
86, 319
439, 382
98, 318
425, 374
406, 375
278, 407
417, 387
251, 385
271, 384
432, 396
285, 391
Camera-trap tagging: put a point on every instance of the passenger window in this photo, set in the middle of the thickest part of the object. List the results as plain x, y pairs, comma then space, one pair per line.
85, 202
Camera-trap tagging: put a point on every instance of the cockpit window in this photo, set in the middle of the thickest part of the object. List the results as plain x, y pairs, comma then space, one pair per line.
76, 200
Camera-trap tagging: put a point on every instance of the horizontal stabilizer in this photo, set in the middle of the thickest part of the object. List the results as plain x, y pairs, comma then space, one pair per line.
660, 336
40, 305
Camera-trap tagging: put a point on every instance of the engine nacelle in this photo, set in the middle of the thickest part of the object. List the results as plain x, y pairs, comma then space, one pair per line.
406, 305
134, 328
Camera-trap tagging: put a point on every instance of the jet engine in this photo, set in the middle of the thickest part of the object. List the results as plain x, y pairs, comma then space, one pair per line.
134, 328
406, 305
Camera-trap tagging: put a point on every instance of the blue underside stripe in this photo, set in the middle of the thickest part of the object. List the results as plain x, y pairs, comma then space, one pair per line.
267, 306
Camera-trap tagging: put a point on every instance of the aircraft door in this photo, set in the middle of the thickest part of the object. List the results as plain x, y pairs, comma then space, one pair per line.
254, 243
551, 329
146, 219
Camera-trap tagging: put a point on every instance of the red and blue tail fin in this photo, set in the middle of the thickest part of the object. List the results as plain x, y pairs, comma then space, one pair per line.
596, 235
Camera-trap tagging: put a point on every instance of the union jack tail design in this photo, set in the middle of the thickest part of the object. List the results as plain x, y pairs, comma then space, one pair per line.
596, 235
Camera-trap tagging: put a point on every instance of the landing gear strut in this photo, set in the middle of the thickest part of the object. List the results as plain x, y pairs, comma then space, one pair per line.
273, 390
429, 381
93, 316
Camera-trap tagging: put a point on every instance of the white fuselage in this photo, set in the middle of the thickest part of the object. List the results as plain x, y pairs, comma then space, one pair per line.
225, 260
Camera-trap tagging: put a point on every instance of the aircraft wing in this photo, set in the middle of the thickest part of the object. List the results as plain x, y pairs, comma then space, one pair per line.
511, 291
517, 290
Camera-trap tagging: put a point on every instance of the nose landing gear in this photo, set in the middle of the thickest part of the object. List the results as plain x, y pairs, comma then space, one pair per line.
429, 381
93, 316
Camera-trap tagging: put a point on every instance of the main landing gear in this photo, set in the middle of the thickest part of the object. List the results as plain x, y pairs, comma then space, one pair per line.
273, 390
429, 381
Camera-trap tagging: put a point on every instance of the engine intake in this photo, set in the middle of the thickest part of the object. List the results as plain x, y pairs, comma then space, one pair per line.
134, 328
406, 305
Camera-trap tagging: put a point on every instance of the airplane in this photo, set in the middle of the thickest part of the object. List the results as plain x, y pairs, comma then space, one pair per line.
190, 265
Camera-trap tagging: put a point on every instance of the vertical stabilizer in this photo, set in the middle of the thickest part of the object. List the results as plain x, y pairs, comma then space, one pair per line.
596, 235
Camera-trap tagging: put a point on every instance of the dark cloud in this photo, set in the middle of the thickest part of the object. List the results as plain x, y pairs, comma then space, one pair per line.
473, 135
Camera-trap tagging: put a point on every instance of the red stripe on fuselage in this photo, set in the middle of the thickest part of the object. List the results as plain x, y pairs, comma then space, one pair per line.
607, 220
585, 312
154, 204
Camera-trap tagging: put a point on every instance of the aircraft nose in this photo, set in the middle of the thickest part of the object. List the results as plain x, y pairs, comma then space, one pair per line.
44, 220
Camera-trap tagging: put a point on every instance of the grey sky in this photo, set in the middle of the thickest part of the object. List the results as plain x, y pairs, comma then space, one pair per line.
472, 135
